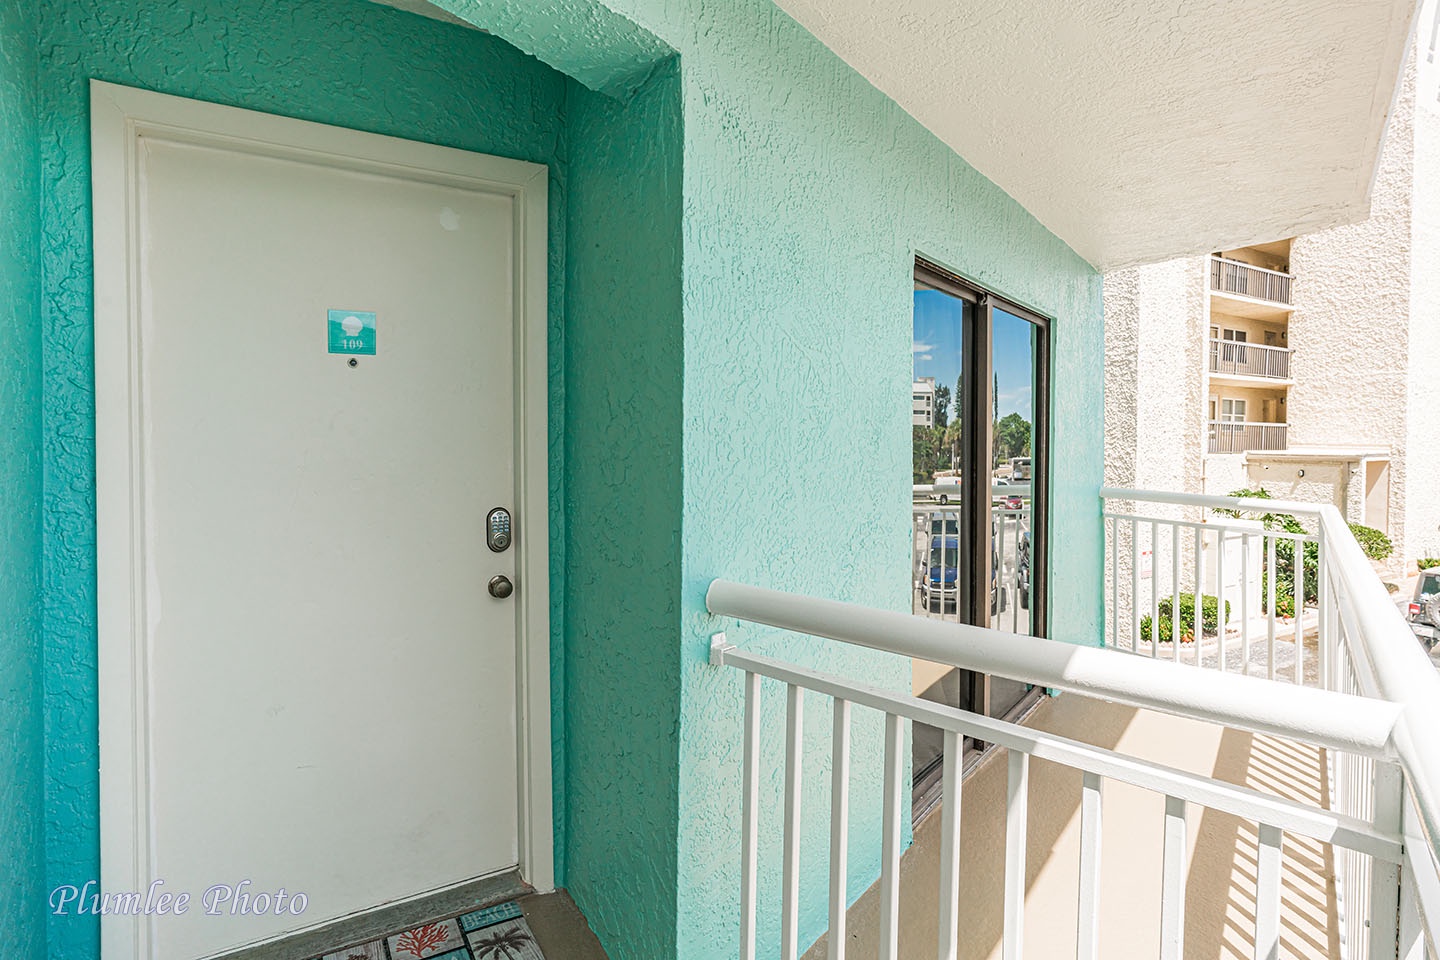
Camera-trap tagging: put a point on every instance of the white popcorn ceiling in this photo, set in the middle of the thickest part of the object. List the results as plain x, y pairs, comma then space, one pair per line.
1140, 130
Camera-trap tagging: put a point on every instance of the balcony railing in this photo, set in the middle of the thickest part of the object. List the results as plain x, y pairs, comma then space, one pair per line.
1239, 436
1249, 359
1247, 280
1361, 647
1373, 712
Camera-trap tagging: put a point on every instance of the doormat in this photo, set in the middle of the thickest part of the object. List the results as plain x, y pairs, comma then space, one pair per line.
494, 933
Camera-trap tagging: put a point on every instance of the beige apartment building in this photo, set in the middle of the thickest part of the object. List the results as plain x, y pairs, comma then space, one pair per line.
1309, 366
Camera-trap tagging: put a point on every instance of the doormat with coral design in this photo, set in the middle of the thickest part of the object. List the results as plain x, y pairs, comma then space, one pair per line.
495, 933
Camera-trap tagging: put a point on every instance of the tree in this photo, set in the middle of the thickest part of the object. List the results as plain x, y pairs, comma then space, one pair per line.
1012, 438
942, 406
952, 441
925, 455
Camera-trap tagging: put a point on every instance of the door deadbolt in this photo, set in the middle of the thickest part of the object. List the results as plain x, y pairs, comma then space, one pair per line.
497, 529
501, 587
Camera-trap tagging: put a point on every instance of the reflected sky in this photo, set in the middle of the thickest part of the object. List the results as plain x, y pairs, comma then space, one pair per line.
937, 352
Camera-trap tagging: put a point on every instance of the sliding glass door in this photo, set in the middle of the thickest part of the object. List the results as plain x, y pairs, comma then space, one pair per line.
979, 468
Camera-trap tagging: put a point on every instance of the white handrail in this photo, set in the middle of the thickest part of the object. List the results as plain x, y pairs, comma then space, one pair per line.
1248, 504
1251, 266
1247, 345
1338, 721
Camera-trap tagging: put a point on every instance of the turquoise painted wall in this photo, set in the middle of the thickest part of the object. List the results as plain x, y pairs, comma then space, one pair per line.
337, 61
807, 194
22, 756
776, 367
623, 447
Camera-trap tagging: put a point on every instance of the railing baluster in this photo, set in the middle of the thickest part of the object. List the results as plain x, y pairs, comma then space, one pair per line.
949, 919
1221, 620
1017, 805
1199, 592
1087, 941
839, 828
1267, 894
1298, 552
1172, 885
1270, 602
1154, 589
890, 841
1384, 892
1134, 586
790, 906
749, 816
1245, 601
1175, 591
1115, 582
1322, 604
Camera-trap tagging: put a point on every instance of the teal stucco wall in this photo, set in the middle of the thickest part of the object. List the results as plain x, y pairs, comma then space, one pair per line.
336, 61
729, 374
623, 447
22, 854
807, 194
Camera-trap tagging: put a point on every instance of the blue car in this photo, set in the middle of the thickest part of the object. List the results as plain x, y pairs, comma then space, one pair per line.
939, 576
939, 573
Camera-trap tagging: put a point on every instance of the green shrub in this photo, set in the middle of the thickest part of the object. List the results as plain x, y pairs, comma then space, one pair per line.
1376, 545
1425, 563
1209, 622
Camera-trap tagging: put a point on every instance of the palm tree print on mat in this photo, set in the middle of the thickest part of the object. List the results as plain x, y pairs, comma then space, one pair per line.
511, 940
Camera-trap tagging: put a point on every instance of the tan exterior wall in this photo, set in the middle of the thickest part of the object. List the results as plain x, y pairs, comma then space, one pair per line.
1350, 329
1422, 435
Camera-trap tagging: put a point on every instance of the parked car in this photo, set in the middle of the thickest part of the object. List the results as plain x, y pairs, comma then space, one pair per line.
1424, 613
1014, 502
939, 576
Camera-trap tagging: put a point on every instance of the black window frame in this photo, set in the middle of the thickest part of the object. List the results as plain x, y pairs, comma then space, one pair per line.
976, 471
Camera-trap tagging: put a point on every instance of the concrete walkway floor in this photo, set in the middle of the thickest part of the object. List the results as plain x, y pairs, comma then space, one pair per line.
1222, 854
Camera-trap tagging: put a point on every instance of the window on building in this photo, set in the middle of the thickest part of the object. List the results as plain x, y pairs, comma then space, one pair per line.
978, 550
1232, 411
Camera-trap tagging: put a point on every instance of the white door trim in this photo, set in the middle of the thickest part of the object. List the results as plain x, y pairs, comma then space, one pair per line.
120, 118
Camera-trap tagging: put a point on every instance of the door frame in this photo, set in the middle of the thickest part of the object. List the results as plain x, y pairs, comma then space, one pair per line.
120, 118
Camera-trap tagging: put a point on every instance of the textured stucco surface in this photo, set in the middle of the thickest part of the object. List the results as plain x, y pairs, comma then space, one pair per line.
22, 893
623, 454
805, 196
1349, 329
1154, 344
1422, 428
1098, 116
335, 61
807, 193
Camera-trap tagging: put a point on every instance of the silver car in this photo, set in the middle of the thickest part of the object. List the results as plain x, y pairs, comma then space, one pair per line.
1424, 611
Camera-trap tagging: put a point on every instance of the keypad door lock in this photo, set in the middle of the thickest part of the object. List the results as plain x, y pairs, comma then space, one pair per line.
497, 529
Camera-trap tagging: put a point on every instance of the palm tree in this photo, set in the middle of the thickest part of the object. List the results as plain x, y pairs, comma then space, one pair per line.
504, 943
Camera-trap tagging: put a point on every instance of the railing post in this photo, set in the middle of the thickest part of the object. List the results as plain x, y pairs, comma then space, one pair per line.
1385, 877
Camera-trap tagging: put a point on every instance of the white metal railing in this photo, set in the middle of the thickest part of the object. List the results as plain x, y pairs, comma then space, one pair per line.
1156, 562
1010, 512
1362, 647
1356, 725
1228, 436
1248, 280
1249, 359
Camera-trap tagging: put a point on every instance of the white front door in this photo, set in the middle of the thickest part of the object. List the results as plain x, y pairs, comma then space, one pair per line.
313, 348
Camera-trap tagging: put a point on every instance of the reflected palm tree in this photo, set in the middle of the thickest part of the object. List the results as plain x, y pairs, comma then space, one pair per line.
503, 943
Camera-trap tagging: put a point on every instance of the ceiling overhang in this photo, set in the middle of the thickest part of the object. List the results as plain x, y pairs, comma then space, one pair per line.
1141, 131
